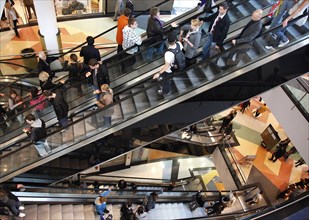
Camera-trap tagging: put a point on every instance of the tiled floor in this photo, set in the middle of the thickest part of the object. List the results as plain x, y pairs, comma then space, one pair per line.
247, 129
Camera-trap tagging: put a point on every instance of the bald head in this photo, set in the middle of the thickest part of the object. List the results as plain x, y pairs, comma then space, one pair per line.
257, 15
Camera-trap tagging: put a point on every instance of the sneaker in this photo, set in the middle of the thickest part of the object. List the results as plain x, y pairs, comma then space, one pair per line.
282, 44
269, 47
160, 92
21, 208
21, 215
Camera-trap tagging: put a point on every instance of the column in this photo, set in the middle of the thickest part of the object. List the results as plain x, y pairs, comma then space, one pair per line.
293, 122
48, 29
2, 3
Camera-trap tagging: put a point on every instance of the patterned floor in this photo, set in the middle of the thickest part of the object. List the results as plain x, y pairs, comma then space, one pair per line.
274, 177
279, 174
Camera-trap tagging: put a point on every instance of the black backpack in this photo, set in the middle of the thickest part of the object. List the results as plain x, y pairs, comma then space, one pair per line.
180, 59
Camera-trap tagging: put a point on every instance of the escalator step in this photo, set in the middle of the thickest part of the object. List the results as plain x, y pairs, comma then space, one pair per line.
152, 94
89, 211
55, 212
43, 211
67, 212
78, 212
182, 83
31, 212
196, 75
141, 100
128, 107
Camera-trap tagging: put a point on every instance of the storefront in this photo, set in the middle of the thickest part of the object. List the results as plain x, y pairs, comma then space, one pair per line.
77, 9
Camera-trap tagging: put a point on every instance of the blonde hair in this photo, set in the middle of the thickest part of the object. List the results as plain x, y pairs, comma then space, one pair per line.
43, 76
106, 88
196, 22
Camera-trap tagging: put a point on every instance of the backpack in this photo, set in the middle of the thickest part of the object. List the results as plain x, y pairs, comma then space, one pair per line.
180, 59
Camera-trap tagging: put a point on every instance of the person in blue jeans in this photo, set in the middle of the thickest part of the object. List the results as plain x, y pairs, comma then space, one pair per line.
281, 12
106, 98
155, 33
37, 133
285, 12
100, 204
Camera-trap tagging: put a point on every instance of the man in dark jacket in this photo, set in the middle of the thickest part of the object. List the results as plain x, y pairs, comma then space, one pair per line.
44, 64
37, 133
89, 51
99, 76
3, 125
151, 203
227, 120
61, 107
9, 200
245, 39
220, 24
155, 33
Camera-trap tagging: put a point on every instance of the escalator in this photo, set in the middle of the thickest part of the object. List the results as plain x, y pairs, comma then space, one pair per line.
123, 81
120, 81
22, 88
143, 101
62, 203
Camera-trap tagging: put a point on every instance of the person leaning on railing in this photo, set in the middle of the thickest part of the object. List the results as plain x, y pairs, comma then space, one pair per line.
44, 64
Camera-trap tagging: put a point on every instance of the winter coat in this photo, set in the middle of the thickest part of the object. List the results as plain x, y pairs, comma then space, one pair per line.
61, 107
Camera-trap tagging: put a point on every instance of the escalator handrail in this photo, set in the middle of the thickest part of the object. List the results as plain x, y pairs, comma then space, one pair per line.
103, 46
252, 187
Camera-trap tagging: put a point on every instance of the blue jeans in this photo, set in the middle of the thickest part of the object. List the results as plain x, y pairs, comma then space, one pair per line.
207, 44
107, 121
97, 96
42, 147
150, 51
280, 37
63, 122
283, 9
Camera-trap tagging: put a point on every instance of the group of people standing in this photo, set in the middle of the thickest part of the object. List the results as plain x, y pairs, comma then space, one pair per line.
294, 190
